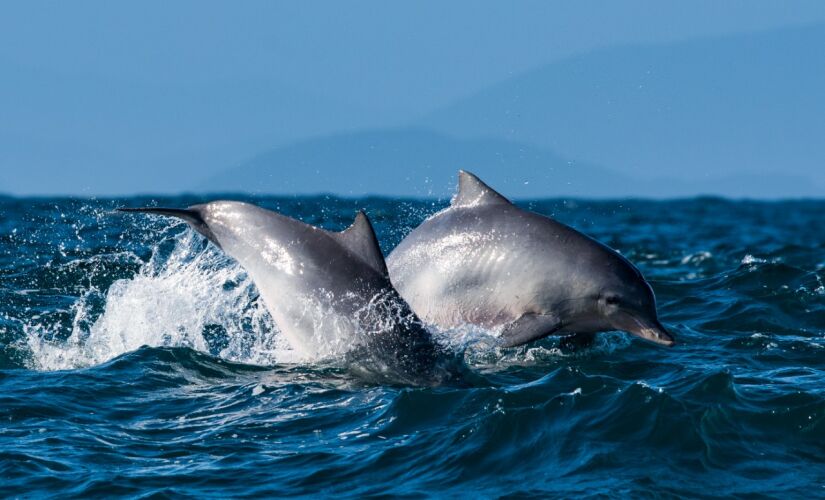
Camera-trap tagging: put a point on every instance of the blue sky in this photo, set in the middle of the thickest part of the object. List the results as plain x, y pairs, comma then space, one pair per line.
110, 98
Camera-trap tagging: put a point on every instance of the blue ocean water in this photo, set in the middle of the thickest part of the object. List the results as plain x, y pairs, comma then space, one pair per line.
135, 359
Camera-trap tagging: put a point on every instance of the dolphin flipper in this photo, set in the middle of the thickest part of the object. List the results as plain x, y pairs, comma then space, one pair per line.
529, 327
577, 341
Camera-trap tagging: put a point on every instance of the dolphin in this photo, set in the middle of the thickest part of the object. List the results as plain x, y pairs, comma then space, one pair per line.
329, 293
483, 261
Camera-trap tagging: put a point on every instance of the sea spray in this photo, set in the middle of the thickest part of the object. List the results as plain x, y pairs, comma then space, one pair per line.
176, 299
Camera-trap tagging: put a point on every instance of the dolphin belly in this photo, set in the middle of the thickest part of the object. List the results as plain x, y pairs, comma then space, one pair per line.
465, 277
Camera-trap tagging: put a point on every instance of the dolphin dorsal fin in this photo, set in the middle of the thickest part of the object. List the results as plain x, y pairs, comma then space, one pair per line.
472, 191
360, 239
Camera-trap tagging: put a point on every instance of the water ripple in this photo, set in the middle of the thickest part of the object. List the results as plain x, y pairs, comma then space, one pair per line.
108, 389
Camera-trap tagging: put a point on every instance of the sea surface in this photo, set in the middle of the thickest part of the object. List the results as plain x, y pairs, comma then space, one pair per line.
136, 359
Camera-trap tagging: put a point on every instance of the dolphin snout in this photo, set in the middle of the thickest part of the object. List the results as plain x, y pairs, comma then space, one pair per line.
657, 333
651, 330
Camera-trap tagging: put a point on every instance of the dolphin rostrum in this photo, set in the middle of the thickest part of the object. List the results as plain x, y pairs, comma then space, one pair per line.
329, 293
486, 262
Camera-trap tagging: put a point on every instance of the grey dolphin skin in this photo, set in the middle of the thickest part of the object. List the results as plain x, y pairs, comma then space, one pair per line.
328, 292
486, 262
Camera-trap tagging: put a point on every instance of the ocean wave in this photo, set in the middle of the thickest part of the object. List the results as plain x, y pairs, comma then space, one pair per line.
137, 360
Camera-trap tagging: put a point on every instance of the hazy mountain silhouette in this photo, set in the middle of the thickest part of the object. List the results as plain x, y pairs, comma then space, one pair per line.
664, 120
417, 162
744, 103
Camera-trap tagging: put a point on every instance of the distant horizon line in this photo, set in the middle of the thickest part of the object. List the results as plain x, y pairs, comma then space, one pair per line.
229, 194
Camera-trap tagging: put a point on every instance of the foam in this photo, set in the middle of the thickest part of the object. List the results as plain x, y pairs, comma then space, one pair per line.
172, 301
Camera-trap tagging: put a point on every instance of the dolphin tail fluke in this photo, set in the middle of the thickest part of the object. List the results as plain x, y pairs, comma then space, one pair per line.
181, 213
191, 215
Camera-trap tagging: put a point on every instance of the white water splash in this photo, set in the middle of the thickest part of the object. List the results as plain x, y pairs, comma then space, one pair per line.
697, 257
749, 259
197, 297
172, 301
481, 350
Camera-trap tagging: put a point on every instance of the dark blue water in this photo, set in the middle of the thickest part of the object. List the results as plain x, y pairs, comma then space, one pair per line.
136, 359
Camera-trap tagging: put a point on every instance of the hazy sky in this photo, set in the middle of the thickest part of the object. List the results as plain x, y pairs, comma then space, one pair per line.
108, 97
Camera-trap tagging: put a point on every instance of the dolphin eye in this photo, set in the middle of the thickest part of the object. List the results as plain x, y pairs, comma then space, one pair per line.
611, 300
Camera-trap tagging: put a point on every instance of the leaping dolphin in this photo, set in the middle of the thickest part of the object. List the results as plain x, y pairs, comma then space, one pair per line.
328, 292
486, 262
